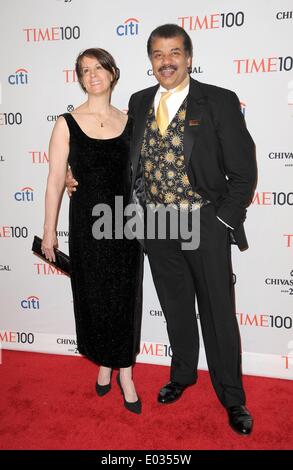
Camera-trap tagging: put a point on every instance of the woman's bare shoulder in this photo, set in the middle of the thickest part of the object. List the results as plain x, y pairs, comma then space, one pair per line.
82, 109
120, 115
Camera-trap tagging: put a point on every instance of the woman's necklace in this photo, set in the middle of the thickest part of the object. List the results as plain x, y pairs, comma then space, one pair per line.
102, 123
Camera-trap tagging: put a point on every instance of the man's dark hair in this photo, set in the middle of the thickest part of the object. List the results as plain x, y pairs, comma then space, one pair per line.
170, 31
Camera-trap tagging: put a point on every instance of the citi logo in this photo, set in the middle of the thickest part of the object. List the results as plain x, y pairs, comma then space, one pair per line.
264, 65
30, 303
128, 28
54, 33
24, 195
212, 21
20, 77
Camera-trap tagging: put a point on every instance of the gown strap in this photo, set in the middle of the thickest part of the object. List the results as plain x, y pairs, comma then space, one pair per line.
71, 123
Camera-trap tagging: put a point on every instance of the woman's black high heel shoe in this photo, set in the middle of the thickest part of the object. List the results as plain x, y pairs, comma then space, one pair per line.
134, 407
103, 389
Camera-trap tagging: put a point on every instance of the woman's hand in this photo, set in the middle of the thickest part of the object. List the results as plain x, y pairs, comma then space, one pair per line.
48, 244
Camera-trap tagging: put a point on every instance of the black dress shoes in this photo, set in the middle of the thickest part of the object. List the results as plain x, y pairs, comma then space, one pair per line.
240, 419
134, 407
103, 389
171, 392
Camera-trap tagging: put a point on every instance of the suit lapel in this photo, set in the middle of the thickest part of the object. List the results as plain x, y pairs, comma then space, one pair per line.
196, 102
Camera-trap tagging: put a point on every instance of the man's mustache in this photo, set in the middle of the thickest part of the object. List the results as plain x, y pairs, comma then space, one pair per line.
166, 67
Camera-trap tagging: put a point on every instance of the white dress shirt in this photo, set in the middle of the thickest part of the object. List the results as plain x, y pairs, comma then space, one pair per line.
173, 102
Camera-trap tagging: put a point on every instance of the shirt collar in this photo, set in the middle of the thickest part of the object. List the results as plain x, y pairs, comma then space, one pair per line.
172, 90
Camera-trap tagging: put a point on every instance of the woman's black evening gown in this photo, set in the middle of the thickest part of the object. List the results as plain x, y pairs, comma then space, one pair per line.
106, 274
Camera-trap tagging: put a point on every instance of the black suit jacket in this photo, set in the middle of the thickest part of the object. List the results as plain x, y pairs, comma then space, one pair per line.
218, 149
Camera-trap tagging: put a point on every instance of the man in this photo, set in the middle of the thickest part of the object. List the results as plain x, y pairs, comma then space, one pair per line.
190, 148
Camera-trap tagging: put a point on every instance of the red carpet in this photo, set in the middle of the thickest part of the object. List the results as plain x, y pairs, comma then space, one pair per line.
49, 402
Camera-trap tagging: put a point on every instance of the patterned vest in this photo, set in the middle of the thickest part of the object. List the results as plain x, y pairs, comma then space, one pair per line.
165, 175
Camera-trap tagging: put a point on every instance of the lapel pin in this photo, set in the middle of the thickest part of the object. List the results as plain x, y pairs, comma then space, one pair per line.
194, 122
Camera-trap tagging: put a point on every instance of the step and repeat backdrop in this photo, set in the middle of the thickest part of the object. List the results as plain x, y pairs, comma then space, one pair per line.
242, 45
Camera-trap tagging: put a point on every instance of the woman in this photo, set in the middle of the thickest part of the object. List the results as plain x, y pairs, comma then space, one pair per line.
106, 273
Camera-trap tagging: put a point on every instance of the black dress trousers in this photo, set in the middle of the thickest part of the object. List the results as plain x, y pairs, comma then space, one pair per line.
206, 272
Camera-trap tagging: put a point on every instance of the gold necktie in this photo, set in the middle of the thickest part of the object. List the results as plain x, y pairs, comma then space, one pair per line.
162, 115
162, 112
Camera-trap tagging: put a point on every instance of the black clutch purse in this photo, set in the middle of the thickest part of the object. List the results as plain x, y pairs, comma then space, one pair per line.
62, 260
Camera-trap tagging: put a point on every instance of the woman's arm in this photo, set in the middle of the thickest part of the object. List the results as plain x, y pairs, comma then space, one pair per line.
58, 155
